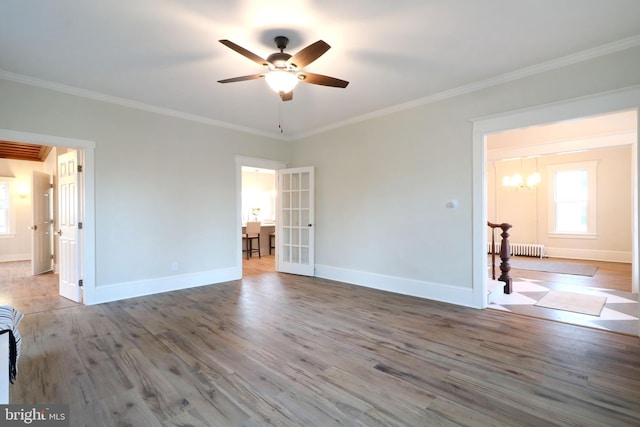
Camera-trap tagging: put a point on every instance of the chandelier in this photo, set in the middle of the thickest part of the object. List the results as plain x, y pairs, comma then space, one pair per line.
516, 181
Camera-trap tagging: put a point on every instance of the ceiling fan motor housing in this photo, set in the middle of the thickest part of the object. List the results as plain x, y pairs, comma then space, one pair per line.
279, 59
281, 42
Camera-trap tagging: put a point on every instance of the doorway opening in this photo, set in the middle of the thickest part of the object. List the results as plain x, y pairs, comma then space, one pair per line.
525, 174
48, 286
32, 277
256, 191
259, 190
600, 103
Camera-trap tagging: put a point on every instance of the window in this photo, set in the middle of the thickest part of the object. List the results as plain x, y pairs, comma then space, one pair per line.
4, 207
572, 199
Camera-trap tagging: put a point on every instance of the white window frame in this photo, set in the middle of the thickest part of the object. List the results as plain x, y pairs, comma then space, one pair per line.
591, 167
11, 221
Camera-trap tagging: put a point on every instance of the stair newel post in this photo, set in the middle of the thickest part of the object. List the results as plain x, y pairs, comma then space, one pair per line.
505, 252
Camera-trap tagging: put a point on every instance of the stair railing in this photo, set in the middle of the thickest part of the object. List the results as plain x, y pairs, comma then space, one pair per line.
504, 255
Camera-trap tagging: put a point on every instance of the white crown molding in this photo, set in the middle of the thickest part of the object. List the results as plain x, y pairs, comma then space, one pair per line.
584, 55
575, 58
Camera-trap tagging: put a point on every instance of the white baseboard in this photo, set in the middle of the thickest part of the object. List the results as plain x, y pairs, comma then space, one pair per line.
15, 257
399, 285
138, 288
588, 254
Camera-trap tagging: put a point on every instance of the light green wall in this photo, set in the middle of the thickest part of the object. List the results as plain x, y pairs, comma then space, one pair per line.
382, 185
165, 188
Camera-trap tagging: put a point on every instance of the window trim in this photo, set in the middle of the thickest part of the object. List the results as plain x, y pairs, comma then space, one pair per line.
592, 201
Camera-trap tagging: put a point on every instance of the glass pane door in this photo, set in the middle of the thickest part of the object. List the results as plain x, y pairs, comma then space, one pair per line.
295, 221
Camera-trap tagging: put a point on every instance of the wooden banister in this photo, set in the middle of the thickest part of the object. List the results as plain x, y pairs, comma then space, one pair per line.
504, 255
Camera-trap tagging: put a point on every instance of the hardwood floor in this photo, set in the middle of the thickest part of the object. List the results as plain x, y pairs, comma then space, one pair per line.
610, 275
285, 350
27, 293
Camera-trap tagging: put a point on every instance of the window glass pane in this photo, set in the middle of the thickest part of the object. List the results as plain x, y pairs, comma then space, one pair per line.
295, 200
4, 195
4, 207
571, 185
571, 216
573, 198
286, 237
4, 227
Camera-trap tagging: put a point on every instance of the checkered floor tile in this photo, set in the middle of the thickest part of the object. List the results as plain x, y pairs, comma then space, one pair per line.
620, 313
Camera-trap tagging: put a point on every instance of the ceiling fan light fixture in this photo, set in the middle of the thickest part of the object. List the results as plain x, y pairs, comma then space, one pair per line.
281, 81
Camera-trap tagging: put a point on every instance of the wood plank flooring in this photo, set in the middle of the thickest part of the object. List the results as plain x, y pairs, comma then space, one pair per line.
285, 350
610, 275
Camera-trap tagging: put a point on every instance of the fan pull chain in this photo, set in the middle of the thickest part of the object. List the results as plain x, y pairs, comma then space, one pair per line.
280, 117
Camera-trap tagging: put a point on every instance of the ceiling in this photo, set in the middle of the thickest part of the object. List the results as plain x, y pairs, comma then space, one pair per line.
164, 54
600, 131
21, 151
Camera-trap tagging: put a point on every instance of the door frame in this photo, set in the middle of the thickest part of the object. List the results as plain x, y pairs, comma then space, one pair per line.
87, 194
253, 162
601, 103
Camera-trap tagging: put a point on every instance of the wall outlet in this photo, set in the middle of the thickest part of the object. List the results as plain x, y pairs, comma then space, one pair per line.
174, 266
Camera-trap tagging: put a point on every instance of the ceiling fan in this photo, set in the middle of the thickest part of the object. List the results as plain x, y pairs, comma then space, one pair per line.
285, 71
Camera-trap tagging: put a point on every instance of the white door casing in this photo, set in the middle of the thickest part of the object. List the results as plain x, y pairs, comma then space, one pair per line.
42, 244
295, 227
68, 226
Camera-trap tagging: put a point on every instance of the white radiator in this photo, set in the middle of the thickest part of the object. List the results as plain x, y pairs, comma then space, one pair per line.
522, 249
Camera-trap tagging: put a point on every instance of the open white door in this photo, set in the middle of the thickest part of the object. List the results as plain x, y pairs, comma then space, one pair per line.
68, 220
295, 241
42, 244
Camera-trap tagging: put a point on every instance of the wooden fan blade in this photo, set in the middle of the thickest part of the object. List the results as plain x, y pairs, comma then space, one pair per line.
286, 96
244, 52
242, 78
309, 54
319, 79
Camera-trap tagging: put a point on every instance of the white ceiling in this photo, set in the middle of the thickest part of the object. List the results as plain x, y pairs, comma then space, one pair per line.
165, 53
601, 131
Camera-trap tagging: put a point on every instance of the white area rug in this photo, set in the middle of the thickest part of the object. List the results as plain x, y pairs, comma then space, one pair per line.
576, 303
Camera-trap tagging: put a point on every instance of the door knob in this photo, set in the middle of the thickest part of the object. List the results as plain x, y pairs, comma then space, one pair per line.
33, 227
59, 232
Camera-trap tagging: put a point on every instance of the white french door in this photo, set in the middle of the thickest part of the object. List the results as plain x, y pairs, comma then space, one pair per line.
68, 221
42, 244
295, 232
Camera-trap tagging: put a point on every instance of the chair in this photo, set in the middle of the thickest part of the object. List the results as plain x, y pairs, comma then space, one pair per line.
252, 232
272, 241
